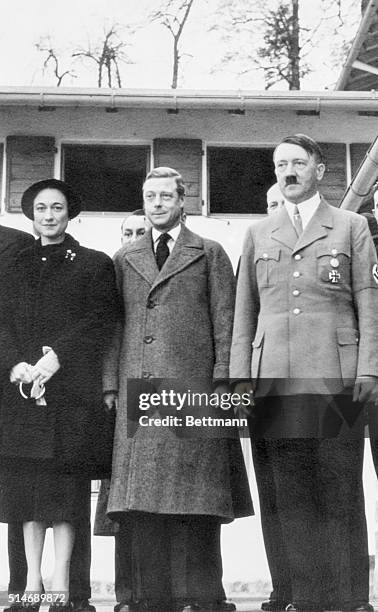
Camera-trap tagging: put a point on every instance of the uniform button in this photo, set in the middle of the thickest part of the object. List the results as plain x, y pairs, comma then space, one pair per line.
297, 257
296, 274
148, 339
265, 255
151, 304
146, 374
296, 292
44, 258
297, 311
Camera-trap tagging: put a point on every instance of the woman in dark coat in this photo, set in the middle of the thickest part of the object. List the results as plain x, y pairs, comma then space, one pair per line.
57, 311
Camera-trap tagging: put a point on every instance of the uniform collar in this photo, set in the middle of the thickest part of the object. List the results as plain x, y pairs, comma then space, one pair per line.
306, 208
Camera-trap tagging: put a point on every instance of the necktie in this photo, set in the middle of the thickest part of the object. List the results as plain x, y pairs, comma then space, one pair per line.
162, 250
297, 221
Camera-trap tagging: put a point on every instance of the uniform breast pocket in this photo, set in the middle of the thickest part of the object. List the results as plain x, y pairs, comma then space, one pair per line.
333, 264
267, 266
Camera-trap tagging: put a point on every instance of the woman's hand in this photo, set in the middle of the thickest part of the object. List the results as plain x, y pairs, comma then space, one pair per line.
21, 373
46, 367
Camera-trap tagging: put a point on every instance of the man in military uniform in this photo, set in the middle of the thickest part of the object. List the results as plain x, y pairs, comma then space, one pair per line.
306, 341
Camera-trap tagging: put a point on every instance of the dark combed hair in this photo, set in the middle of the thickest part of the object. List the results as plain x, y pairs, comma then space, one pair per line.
165, 172
308, 144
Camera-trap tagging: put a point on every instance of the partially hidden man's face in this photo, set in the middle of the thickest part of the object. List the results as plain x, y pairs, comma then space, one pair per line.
133, 228
274, 199
162, 204
298, 173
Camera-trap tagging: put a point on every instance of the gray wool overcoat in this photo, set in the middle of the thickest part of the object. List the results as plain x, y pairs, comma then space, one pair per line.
177, 325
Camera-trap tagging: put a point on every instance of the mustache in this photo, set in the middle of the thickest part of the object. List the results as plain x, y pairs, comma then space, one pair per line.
291, 180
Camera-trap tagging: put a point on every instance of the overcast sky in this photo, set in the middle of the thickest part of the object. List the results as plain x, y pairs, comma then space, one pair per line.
70, 23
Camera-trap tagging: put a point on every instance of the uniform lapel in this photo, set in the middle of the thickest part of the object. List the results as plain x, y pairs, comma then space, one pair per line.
140, 255
282, 229
317, 227
188, 248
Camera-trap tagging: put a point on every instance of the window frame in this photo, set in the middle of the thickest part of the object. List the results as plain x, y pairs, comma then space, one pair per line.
59, 170
206, 177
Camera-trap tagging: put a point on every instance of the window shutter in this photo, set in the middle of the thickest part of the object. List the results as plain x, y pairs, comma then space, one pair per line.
334, 184
185, 156
357, 154
29, 159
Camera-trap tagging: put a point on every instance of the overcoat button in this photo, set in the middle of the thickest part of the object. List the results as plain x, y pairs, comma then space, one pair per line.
295, 292
296, 274
297, 311
297, 257
146, 374
148, 339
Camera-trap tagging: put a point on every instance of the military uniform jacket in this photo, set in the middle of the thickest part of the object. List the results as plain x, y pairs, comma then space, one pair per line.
306, 307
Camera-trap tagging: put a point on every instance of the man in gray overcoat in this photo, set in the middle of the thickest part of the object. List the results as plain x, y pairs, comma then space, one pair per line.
173, 490
306, 333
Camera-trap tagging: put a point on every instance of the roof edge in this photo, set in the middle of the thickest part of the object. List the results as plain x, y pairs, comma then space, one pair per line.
357, 44
178, 99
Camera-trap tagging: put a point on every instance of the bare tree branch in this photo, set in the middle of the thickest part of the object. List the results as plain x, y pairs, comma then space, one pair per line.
174, 16
45, 46
107, 54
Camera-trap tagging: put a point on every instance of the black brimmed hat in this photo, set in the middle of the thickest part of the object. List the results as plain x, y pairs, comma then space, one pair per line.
73, 199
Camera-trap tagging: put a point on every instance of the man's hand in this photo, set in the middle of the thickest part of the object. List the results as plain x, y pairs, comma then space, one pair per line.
244, 389
21, 373
221, 388
110, 399
366, 389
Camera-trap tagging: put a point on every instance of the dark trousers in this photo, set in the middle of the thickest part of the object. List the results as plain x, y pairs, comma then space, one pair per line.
122, 562
313, 518
175, 559
80, 586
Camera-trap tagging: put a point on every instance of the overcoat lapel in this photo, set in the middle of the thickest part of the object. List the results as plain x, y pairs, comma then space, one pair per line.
141, 257
188, 248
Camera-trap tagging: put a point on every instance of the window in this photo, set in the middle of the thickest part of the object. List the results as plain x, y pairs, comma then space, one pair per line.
110, 178
239, 179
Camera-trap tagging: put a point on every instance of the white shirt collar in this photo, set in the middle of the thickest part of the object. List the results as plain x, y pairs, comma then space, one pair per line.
306, 208
174, 234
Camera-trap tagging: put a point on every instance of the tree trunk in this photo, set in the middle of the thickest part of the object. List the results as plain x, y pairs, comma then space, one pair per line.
175, 64
295, 50
364, 4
